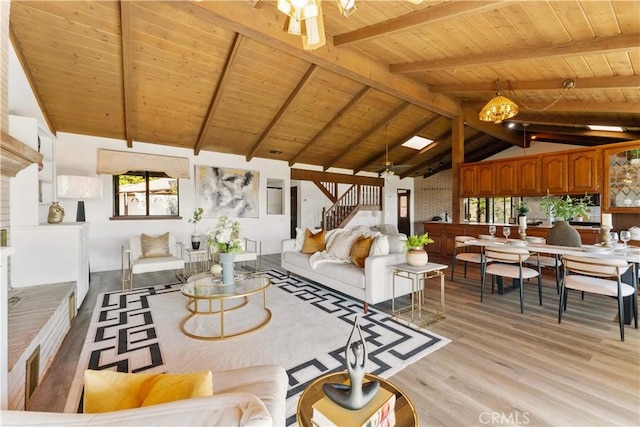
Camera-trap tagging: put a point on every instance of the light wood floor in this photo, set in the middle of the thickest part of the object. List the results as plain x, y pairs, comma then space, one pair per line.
501, 368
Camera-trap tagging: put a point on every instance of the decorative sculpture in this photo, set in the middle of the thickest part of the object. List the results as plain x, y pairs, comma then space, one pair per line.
355, 395
56, 213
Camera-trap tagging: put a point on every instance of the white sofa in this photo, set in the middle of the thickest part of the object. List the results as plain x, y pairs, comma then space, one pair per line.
372, 284
254, 396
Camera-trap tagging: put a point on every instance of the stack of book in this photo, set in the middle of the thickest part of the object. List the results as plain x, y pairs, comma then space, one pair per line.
380, 412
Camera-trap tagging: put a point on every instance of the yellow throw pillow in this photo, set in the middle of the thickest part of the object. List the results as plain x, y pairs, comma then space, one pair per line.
155, 246
360, 250
107, 391
313, 242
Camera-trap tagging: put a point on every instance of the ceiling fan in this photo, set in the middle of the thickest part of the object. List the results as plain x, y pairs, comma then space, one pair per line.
388, 168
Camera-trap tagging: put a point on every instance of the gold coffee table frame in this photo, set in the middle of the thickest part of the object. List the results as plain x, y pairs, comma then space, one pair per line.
208, 289
406, 414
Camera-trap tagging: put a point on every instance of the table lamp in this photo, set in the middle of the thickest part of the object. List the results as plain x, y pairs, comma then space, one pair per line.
79, 187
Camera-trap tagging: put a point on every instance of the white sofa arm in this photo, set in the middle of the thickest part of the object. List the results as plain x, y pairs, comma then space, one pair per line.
288, 245
379, 276
218, 410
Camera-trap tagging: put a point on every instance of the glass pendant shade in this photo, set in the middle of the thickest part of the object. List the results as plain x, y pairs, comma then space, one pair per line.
498, 109
300, 9
347, 7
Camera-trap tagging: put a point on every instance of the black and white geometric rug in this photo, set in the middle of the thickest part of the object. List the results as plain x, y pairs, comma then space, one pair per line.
310, 325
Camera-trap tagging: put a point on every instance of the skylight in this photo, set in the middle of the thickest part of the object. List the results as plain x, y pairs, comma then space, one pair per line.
417, 142
606, 128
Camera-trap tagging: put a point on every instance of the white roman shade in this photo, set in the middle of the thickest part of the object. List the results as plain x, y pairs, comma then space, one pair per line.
119, 162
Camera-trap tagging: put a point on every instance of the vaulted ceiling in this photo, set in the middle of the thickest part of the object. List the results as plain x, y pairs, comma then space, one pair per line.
223, 76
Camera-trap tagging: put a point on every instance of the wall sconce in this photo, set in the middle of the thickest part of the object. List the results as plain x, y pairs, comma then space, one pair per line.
79, 187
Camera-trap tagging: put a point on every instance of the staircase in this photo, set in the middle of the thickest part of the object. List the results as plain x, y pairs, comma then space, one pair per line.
358, 197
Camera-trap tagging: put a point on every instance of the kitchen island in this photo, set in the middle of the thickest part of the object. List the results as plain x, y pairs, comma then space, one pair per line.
444, 233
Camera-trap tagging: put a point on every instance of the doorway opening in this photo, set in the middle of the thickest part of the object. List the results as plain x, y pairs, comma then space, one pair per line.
404, 217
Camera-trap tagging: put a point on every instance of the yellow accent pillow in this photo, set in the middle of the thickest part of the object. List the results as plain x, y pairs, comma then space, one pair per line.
313, 242
360, 250
155, 246
107, 391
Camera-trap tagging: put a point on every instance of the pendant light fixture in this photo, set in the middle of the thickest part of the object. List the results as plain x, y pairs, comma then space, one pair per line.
499, 108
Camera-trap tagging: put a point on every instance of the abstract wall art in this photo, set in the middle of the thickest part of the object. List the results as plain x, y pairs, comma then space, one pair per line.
225, 191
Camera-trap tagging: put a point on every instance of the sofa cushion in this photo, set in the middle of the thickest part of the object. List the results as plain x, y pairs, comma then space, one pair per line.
379, 245
396, 243
341, 245
106, 391
360, 250
155, 246
313, 242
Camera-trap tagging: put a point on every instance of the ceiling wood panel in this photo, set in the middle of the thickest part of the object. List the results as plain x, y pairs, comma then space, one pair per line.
224, 77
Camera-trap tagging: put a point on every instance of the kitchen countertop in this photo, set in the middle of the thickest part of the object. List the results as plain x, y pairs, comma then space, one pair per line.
498, 224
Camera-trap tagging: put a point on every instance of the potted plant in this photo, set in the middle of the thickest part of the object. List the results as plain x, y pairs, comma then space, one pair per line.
224, 241
196, 238
416, 254
562, 209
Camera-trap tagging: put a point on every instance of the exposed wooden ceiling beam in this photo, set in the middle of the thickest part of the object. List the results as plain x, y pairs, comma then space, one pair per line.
125, 40
569, 106
367, 134
583, 133
485, 151
599, 45
266, 27
571, 139
617, 82
32, 82
497, 131
330, 124
217, 93
301, 84
539, 117
380, 155
430, 15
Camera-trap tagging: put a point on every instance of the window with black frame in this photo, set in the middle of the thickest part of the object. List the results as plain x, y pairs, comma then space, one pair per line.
490, 209
143, 194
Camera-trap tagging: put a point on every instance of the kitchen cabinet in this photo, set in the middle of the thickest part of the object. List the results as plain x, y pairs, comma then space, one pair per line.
484, 179
554, 174
506, 177
621, 192
529, 181
584, 171
467, 180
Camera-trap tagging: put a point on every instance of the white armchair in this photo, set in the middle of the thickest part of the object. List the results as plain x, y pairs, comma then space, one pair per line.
145, 254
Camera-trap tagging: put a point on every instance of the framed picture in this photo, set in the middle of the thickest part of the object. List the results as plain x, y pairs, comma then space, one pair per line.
225, 191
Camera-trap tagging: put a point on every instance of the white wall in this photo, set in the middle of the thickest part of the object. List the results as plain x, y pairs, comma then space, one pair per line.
77, 155
537, 147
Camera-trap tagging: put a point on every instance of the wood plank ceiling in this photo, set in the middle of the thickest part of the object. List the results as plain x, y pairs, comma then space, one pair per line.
223, 76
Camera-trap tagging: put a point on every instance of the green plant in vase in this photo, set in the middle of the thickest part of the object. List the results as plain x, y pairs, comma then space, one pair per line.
563, 209
195, 237
416, 255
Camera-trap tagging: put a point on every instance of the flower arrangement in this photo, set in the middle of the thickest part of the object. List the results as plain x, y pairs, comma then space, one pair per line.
197, 216
418, 241
224, 238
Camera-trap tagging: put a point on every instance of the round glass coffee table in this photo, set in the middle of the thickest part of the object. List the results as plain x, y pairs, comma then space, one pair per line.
214, 308
406, 414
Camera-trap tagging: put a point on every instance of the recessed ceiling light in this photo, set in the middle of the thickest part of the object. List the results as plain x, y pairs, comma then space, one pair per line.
417, 142
606, 128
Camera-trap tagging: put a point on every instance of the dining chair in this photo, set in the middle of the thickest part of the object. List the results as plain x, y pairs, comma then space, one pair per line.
554, 262
510, 261
598, 276
465, 256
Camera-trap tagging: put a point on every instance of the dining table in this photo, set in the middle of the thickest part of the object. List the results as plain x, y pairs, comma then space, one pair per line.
628, 253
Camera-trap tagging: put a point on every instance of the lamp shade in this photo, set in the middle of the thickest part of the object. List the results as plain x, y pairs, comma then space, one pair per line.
79, 187
499, 108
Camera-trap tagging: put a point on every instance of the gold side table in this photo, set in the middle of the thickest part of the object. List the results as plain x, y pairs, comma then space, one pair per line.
418, 277
406, 415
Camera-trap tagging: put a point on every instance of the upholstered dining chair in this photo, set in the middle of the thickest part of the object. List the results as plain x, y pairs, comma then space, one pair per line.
464, 255
554, 262
509, 261
601, 277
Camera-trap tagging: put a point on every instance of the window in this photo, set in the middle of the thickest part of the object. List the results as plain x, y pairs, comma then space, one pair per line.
490, 209
142, 194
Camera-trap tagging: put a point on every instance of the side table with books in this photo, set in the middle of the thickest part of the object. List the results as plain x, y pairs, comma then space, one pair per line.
390, 407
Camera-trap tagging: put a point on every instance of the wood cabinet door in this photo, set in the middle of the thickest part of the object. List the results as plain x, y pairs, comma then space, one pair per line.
554, 174
506, 178
484, 179
529, 170
584, 173
467, 180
